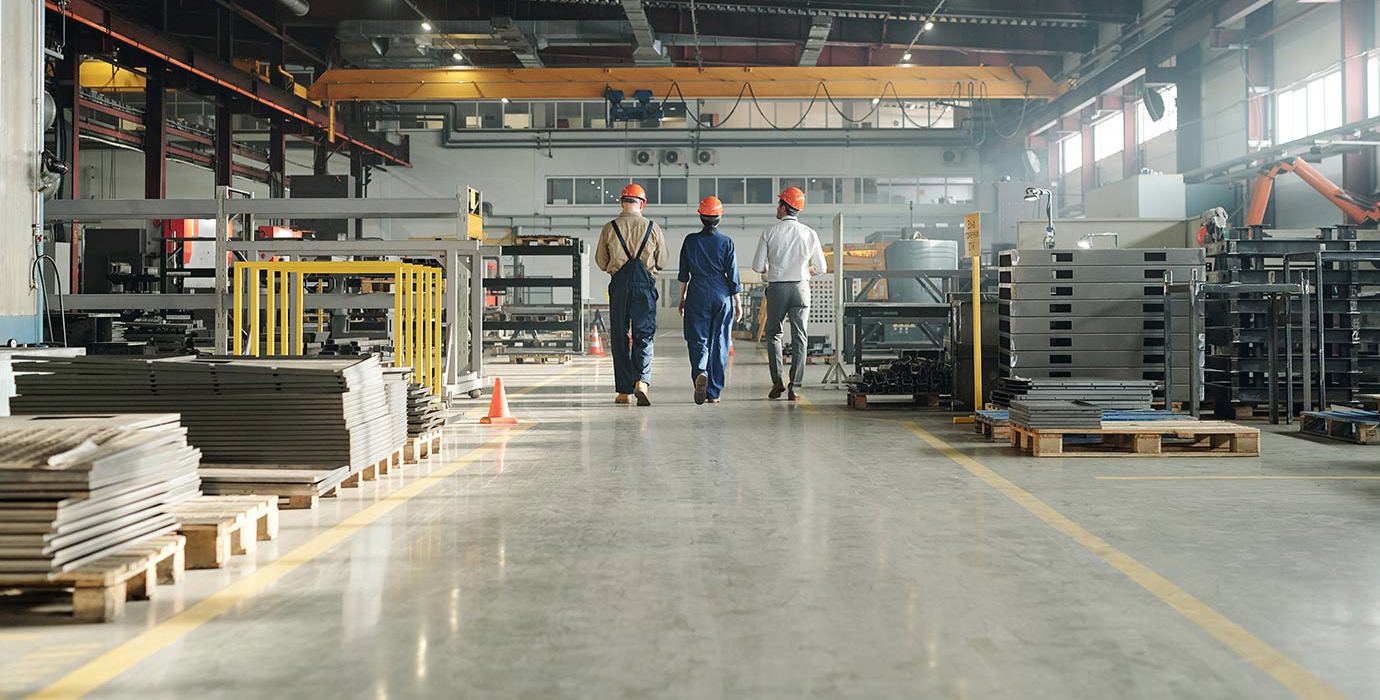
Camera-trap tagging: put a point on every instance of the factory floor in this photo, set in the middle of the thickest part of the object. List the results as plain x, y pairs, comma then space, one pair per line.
762, 549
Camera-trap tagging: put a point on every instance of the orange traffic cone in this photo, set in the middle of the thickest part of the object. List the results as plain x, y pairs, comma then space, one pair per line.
596, 343
498, 408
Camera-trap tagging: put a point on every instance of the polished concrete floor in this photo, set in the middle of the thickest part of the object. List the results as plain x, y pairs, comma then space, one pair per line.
759, 549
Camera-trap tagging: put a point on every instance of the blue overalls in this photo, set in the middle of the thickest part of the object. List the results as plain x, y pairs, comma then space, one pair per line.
710, 266
632, 310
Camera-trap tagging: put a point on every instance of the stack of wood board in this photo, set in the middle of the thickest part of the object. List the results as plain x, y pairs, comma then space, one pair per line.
276, 411
73, 490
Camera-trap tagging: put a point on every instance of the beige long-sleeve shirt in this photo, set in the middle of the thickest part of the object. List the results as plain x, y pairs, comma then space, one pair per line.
609, 255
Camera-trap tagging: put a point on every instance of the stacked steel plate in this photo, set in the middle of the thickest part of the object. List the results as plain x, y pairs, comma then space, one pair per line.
73, 490
1112, 394
1036, 413
1076, 313
908, 375
330, 412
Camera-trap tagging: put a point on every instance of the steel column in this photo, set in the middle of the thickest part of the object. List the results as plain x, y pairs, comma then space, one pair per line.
1358, 36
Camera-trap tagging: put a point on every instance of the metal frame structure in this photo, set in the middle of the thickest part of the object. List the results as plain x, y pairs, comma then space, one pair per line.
575, 250
460, 258
1195, 290
1316, 260
416, 309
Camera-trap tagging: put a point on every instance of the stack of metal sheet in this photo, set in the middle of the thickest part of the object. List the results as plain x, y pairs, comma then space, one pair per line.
424, 411
1075, 313
1115, 394
73, 490
329, 412
1035, 413
7, 356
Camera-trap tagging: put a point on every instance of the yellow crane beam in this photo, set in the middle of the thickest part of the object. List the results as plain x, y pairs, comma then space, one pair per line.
767, 82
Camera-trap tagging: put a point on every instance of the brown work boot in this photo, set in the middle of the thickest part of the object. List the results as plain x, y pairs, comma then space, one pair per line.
641, 391
623, 399
701, 387
791, 395
777, 390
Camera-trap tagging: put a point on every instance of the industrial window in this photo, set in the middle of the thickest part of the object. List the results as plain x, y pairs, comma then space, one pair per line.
821, 190
650, 184
1373, 87
1310, 108
588, 191
1109, 136
560, 190
731, 190
673, 190
864, 190
613, 189
1070, 153
960, 190
899, 190
759, 191
706, 188
1147, 128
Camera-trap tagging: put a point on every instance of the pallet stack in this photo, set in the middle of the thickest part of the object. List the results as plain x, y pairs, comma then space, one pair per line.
1237, 330
335, 416
76, 490
1084, 314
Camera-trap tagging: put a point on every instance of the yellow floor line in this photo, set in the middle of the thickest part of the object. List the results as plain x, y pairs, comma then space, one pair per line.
1271, 661
102, 669
1212, 477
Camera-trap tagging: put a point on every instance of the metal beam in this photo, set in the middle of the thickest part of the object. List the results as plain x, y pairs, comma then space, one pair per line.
842, 82
819, 33
155, 134
648, 51
504, 28
223, 76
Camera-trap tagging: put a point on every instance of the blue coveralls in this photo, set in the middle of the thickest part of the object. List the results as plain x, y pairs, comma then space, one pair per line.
632, 310
709, 265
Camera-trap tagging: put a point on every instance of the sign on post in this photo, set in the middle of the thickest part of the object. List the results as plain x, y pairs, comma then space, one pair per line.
474, 218
972, 236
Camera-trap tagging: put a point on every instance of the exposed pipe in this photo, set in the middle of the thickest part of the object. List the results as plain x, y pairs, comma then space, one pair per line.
296, 7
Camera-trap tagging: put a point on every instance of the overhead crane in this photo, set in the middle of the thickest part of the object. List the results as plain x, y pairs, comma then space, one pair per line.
765, 82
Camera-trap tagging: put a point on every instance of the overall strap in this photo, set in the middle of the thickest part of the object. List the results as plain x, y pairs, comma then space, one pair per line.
621, 242
645, 237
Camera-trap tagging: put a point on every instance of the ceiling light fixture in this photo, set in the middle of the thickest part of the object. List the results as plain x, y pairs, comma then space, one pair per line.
905, 56
504, 100
929, 24
426, 26
458, 56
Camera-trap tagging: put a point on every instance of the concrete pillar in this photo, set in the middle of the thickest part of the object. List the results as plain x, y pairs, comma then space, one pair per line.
20, 143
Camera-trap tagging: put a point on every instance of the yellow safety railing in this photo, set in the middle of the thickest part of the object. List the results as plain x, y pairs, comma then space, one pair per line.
418, 301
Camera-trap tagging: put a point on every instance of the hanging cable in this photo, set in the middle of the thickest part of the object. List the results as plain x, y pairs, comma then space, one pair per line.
924, 27
695, 32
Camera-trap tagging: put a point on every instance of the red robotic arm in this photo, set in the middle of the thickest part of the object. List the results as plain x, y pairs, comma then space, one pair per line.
1360, 210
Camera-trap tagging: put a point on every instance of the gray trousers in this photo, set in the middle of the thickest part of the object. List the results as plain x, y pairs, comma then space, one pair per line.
787, 299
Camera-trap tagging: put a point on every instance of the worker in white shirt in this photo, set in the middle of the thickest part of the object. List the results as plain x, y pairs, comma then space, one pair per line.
787, 255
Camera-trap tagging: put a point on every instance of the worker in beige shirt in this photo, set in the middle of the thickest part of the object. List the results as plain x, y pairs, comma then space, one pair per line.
631, 249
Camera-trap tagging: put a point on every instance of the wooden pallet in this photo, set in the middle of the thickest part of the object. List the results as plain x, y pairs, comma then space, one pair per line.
295, 487
218, 526
991, 428
1143, 439
866, 401
422, 446
100, 588
372, 470
537, 358
1361, 430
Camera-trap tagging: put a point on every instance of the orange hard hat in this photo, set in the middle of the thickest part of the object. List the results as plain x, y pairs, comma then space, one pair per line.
711, 206
793, 198
635, 190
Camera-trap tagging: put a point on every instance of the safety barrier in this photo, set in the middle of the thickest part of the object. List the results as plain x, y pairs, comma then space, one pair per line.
417, 310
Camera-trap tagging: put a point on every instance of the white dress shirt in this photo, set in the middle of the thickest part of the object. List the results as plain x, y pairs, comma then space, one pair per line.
787, 250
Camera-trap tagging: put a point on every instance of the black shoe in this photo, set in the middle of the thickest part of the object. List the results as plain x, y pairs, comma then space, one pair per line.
701, 388
777, 390
791, 395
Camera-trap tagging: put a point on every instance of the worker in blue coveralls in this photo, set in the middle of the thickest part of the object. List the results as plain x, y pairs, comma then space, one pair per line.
631, 249
709, 300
